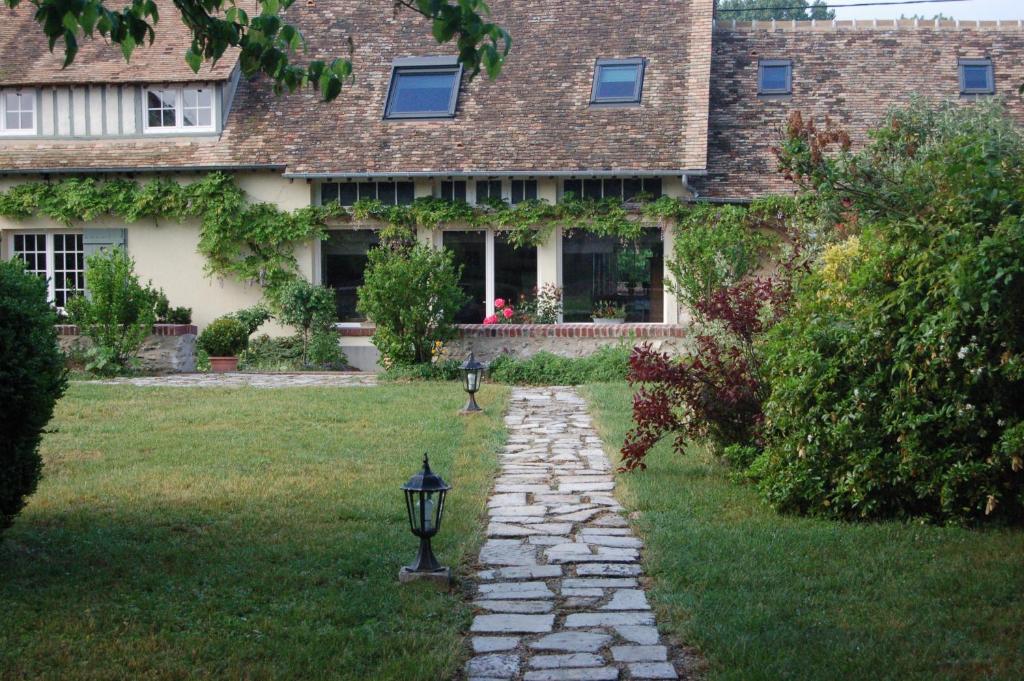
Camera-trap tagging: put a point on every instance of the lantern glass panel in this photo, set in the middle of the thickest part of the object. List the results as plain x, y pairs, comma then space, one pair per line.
472, 380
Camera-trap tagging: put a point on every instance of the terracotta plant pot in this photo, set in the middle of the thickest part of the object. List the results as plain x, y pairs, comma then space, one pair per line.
605, 321
222, 365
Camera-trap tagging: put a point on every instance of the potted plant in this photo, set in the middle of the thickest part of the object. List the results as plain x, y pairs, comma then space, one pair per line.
608, 312
223, 340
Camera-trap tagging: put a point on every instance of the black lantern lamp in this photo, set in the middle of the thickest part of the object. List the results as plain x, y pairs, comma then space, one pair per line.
472, 375
424, 499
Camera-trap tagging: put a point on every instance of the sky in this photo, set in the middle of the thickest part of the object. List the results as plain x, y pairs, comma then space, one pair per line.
971, 9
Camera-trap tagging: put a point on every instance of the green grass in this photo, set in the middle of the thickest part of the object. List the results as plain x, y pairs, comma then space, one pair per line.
202, 533
764, 596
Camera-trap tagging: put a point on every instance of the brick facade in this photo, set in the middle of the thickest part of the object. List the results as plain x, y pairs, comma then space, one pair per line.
852, 72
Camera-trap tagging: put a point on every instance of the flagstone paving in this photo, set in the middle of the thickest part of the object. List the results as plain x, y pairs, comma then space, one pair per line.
559, 595
340, 379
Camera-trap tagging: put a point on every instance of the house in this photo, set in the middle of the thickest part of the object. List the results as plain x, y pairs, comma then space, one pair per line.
599, 98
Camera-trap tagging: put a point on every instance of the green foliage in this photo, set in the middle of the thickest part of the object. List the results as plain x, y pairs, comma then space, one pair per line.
607, 364
715, 247
266, 353
446, 370
266, 44
253, 317
32, 379
118, 312
787, 10
312, 310
896, 381
543, 306
412, 295
223, 337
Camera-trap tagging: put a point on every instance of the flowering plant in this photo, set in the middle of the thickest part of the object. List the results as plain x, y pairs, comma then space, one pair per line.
503, 313
607, 309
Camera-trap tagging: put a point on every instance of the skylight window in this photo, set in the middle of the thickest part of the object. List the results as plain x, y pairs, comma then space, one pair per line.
618, 81
423, 88
976, 77
775, 77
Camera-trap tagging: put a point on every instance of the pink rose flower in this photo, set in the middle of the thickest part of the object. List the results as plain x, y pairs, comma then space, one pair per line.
499, 303
507, 312
493, 319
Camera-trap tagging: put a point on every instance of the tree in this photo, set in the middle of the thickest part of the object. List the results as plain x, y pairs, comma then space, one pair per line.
746, 10
266, 42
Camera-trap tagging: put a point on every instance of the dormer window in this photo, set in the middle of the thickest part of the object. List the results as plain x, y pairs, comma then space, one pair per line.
618, 81
775, 77
17, 112
179, 109
423, 87
976, 77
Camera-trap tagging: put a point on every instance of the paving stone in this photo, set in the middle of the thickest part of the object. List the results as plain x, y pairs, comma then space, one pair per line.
515, 590
497, 666
616, 583
492, 644
515, 606
652, 670
587, 674
582, 592
569, 660
627, 599
603, 569
639, 653
522, 572
606, 531
579, 516
572, 641
581, 601
513, 624
585, 486
512, 499
507, 552
612, 521
615, 542
638, 634
607, 619
546, 540
517, 511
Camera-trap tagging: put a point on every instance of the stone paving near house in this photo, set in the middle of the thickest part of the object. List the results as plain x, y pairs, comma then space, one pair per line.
346, 379
559, 596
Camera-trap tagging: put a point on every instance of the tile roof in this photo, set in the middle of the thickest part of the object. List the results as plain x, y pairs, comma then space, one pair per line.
25, 57
535, 117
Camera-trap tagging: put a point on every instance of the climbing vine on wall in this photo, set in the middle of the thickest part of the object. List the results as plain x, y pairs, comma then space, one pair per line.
256, 241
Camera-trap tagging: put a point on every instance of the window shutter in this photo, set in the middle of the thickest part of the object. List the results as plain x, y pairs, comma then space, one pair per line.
99, 239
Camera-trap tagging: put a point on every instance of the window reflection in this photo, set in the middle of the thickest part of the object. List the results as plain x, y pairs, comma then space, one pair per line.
625, 272
344, 258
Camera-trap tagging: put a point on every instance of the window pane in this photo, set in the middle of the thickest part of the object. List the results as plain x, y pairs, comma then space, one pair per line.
524, 190
367, 190
422, 92
515, 270
976, 77
627, 273
386, 192
774, 78
574, 186
592, 189
328, 192
652, 186
347, 193
631, 188
613, 188
344, 260
469, 249
406, 193
617, 82
11, 120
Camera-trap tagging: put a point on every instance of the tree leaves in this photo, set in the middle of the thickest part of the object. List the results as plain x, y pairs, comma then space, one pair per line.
265, 42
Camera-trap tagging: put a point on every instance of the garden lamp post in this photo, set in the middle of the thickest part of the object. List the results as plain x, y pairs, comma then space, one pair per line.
472, 374
424, 500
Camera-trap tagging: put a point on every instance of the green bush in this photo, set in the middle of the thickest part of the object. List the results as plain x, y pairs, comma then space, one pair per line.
896, 382
447, 370
312, 310
118, 312
607, 364
266, 353
412, 295
253, 317
223, 337
32, 379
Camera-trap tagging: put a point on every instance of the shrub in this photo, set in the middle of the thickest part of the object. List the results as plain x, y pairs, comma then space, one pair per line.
447, 370
117, 314
177, 315
412, 295
253, 317
543, 306
896, 382
223, 337
266, 353
32, 379
312, 311
605, 365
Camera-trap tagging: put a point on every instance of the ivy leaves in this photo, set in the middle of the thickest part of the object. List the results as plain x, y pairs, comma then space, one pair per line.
266, 42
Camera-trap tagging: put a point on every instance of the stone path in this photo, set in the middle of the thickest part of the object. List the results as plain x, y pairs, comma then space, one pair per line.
559, 596
239, 380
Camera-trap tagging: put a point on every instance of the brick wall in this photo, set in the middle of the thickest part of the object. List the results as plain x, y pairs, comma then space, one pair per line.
850, 71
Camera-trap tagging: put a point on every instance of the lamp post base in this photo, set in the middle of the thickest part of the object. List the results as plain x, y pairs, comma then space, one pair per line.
471, 406
441, 577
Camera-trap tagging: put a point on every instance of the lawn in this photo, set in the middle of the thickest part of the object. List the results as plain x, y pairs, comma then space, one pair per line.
204, 533
764, 596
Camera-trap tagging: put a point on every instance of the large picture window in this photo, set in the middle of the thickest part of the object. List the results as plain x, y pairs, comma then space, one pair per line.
470, 249
59, 257
491, 268
623, 272
343, 261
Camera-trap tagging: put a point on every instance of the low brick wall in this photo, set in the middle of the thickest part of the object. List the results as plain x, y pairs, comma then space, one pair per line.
171, 348
523, 340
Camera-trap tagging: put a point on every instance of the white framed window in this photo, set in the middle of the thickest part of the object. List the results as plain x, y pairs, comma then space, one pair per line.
178, 109
57, 256
17, 112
